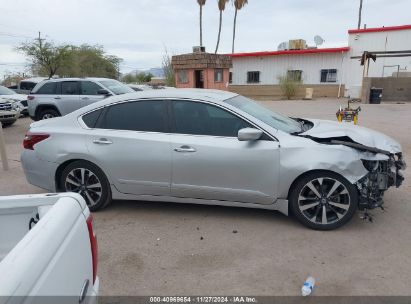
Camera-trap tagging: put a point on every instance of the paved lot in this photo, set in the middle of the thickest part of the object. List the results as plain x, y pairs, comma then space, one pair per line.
172, 249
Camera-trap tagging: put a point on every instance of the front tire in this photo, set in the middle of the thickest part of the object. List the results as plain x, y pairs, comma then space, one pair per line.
323, 200
8, 124
89, 181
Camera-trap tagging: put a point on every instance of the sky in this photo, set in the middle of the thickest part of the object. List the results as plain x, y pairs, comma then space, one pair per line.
139, 31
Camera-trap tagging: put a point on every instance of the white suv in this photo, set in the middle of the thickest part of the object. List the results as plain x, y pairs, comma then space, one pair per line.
58, 97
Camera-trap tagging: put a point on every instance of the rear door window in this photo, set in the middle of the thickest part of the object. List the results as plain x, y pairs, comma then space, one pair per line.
70, 88
146, 115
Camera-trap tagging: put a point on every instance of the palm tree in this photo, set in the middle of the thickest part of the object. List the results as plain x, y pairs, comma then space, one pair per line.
360, 14
221, 7
238, 4
201, 3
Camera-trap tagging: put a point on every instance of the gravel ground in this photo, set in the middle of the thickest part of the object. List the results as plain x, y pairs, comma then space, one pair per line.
175, 249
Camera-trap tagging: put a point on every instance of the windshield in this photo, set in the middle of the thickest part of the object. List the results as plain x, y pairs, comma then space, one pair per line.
6, 91
116, 87
267, 116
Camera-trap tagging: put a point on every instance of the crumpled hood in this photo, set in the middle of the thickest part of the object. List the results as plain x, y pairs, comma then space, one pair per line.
364, 136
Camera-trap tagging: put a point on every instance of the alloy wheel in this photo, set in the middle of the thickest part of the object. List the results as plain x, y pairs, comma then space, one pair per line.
324, 201
48, 116
86, 183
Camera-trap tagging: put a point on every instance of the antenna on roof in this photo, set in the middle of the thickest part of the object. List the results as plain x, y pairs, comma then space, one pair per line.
318, 40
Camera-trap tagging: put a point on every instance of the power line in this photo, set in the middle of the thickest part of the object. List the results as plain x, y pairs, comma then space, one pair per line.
14, 35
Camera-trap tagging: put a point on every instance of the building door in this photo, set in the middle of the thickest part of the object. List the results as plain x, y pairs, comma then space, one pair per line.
199, 79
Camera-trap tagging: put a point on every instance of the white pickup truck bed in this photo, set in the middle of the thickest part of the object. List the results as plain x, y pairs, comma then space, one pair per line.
47, 247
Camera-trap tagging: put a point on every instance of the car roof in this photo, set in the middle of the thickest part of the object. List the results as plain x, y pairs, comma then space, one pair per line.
215, 96
34, 79
201, 94
78, 79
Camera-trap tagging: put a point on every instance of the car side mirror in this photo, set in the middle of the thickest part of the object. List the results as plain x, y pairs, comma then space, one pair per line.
103, 92
249, 134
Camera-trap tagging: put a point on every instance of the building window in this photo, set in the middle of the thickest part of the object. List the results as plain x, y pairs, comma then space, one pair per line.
295, 75
230, 78
329, 75
253, 77
218, 75
182, 76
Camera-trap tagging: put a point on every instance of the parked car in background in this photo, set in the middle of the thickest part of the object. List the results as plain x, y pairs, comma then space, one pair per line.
58, 97
7, 95
9, 112
140, 87
146, 87
213, 147
26, 85
47, 248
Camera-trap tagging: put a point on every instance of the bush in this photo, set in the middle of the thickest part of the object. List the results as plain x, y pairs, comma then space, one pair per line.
289, 86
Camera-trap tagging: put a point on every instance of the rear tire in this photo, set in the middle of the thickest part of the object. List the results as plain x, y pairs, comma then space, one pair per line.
89, 181
323, 200
48, 114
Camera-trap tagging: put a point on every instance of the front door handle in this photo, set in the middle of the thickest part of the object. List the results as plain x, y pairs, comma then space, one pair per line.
102, 141
58, 97
185, 149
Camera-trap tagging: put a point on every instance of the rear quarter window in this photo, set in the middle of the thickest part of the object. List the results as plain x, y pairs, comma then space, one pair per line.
48, 88
90, 119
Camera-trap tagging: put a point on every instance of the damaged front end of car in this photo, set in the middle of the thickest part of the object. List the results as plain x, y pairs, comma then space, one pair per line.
384, 171
382, 175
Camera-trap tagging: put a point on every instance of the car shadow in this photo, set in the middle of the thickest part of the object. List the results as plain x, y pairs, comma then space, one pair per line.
198, 210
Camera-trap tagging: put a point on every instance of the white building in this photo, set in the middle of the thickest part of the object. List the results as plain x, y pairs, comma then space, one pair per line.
331, 71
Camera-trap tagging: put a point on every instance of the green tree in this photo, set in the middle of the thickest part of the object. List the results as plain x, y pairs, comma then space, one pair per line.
90, 61
47, 59
46, 56
201, 3
238, 5
221, 8
141, 77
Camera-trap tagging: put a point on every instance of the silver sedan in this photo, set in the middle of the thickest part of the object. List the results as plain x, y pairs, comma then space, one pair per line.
216, 148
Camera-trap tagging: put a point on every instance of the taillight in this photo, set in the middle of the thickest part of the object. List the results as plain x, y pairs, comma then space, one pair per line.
33, 138
30, 97
93, 243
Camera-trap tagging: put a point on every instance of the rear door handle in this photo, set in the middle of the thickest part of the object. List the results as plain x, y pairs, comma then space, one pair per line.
85, 98
58, 97
185, 149
102, 141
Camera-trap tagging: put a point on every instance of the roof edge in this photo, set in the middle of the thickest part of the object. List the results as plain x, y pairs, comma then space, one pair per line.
381, 29
291, 52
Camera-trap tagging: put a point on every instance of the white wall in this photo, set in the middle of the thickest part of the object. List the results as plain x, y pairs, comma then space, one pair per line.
349, 73
375, 42
273, 67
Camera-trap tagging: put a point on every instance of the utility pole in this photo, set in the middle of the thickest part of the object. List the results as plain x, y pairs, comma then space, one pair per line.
360, 15
3, 154
40, 40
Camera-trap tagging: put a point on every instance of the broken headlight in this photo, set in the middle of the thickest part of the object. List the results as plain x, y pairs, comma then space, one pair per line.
371, 165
